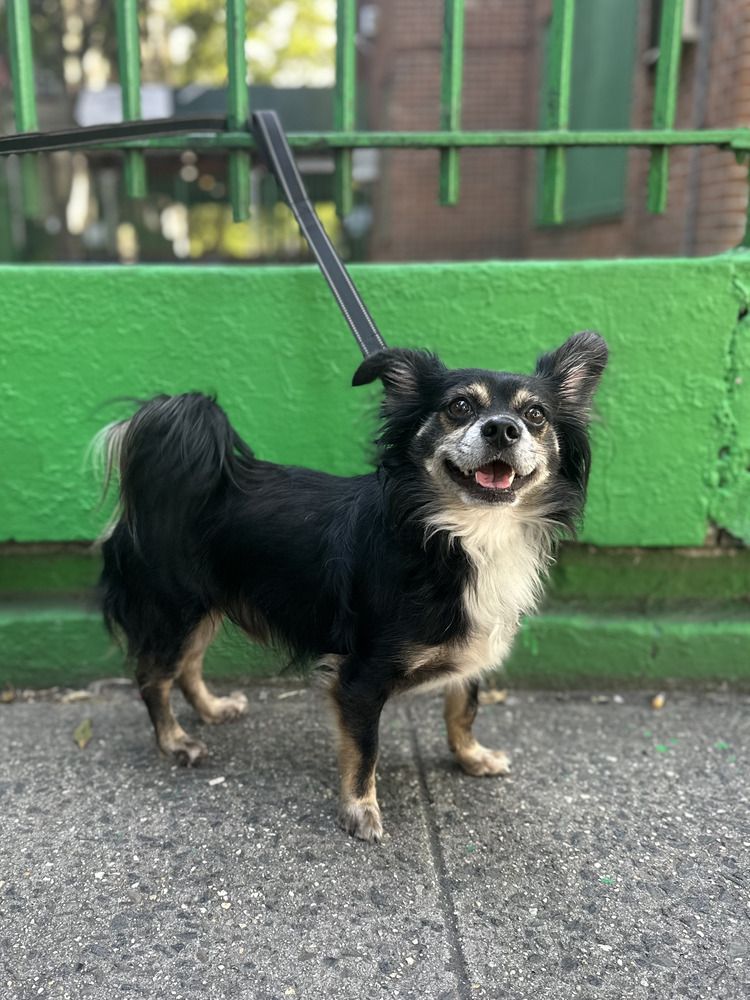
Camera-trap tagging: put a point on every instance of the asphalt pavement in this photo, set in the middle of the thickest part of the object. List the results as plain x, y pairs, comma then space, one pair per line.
613, 863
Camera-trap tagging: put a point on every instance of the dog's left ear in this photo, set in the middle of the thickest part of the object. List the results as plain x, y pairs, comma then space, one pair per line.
576, 368
404, 373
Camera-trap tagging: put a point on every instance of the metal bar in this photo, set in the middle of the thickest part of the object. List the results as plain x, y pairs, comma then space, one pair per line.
665, 99
735, 139
345, 106
21, 65
162, 135
24, 101
558, 107
238, 108
450, 102
129, 63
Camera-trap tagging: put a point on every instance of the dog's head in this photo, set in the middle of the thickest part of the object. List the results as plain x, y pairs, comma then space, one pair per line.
486, 438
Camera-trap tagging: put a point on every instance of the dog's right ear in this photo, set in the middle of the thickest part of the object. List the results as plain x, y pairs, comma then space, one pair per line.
404, 373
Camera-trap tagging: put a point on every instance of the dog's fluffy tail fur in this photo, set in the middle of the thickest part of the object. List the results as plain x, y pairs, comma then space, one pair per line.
176, 446
170, 458
174, 458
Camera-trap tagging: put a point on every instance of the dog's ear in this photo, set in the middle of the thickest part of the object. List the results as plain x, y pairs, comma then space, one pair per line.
404, 373
576, 367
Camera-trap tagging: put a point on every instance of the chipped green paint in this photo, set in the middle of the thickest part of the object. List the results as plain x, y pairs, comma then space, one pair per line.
730, 507
271, 342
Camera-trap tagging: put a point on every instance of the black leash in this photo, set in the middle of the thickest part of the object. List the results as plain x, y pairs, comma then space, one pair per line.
90, 136
272, 142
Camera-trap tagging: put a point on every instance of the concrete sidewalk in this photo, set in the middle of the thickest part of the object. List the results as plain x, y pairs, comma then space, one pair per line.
612, 864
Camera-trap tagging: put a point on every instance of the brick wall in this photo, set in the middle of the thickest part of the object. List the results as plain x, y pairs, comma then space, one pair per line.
404, 74
495, 216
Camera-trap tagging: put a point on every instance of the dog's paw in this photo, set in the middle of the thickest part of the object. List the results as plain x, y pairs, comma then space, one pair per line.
361, 821
480, 762
184, 750
225, 709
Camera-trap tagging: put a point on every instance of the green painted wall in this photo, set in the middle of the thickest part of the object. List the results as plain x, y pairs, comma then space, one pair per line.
672, 443
66, 645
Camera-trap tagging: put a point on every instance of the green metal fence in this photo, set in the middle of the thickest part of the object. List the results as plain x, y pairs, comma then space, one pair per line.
231, 134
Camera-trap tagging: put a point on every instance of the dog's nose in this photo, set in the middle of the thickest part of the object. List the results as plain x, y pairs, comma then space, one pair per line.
502, 431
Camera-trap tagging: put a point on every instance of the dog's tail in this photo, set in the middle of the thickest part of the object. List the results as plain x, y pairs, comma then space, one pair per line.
170, 457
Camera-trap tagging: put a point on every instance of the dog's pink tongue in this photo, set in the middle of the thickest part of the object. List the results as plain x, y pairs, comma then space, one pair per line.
495, 476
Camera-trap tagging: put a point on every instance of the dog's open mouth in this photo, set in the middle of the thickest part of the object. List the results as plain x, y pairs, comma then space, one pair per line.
495, 481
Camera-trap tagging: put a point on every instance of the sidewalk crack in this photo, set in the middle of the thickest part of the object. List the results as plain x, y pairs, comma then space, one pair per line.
445, 895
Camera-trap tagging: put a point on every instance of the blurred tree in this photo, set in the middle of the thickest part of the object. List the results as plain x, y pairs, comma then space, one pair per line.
290, 43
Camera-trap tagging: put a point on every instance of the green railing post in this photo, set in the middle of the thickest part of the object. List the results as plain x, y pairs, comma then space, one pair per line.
746, 238
24, 101
238, 108
345, 106
450, 102
129, 64
558, 107
665, 99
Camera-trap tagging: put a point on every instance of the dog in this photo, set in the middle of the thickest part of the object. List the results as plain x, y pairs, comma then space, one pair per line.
414, 575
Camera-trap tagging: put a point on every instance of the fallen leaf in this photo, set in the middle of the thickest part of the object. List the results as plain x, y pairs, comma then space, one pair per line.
658, 701
83, 733
72, 696
9, 695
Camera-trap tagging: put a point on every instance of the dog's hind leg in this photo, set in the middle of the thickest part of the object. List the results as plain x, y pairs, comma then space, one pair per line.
461, 702
358, 704
189, 677
155, 685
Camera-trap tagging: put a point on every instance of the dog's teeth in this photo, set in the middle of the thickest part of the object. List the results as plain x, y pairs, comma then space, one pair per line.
512, 476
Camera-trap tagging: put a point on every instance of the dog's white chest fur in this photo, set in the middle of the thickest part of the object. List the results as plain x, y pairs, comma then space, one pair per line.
510, 557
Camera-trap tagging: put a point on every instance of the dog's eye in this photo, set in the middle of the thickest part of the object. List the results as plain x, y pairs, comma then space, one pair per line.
535, 415
460, 407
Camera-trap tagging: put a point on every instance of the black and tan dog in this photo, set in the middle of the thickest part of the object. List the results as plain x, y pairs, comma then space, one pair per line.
414, 575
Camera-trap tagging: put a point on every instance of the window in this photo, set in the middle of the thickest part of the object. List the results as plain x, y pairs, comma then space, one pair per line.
604, 47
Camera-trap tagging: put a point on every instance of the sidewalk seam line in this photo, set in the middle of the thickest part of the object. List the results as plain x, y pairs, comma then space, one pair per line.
445, 896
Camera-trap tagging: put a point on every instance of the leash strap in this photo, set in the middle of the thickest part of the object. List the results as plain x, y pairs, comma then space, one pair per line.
269, 135
90, 136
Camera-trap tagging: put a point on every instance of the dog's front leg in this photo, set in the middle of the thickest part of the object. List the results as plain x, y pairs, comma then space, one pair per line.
461, 702
358, 700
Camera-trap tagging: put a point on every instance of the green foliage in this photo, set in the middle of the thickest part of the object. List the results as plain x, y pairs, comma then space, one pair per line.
289, 43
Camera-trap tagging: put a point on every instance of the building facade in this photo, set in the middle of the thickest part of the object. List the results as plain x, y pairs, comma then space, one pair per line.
615, 53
